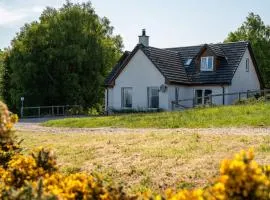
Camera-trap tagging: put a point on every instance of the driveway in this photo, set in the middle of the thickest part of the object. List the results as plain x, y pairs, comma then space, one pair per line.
35, 125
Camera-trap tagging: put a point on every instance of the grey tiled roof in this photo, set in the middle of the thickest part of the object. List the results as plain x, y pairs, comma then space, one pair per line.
217, 50
170, 62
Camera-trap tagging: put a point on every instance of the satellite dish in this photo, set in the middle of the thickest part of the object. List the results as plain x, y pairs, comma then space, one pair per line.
163, 88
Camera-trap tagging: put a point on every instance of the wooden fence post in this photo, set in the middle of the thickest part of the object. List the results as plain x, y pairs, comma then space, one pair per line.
239, 96
38, 111
264, 93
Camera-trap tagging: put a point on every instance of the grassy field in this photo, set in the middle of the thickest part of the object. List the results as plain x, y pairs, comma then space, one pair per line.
155, 159
226, 116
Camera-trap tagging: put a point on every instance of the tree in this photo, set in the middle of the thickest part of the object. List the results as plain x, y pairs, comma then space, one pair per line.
6, 79
255, 31
1, 68
61, 59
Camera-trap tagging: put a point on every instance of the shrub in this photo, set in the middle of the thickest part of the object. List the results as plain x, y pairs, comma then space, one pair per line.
8, 143
76, 110
250, 101
96, 109
36, 176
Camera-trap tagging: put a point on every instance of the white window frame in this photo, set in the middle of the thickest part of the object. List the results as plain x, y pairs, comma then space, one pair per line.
207, 60
123, 105
149, 97
203, 98
247, 65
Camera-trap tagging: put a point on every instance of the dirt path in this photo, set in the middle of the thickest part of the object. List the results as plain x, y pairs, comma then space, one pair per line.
36, 127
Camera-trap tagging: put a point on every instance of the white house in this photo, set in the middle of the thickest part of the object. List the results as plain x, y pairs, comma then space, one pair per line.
150, 78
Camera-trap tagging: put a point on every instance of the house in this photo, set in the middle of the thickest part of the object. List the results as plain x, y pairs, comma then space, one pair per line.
151, 78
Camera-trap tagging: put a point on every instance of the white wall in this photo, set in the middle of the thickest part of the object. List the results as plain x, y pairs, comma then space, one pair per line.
242, 80
216, 100
188, 92
185, 92
139, 74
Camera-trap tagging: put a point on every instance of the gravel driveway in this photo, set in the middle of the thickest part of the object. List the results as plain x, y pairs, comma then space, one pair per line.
34, 125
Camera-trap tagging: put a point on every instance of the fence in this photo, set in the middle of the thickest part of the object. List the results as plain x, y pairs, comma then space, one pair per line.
49, 111
220, 99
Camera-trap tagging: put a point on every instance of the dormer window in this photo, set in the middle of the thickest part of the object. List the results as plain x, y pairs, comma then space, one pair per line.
207, 63
188, 62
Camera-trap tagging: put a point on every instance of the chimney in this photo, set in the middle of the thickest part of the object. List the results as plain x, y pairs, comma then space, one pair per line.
144, 39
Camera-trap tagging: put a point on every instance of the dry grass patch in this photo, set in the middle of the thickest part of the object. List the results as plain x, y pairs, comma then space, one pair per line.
155, 159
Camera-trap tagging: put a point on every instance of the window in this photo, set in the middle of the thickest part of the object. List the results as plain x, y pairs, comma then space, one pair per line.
126, 97
207, 63
188, 62
153, 97
202, 96
247, 65
198, 97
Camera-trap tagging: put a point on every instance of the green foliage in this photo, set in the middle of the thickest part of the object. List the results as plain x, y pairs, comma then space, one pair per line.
61, 59
8, 143
96, 109
77, 110
137, 110
1, 68
5, 80
255, 31
3, 55
250, 101
219, 116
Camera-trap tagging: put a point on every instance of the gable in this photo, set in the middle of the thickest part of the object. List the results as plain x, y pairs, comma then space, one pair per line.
109, 81
243, 79
139, 69
168, 63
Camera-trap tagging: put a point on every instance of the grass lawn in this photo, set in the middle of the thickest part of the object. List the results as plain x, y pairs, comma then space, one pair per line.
224, 116
155, 159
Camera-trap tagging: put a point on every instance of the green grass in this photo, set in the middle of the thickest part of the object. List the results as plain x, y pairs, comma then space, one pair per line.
224, 116
155, 159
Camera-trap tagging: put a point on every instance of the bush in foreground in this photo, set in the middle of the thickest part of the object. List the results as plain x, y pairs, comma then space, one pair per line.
36, 176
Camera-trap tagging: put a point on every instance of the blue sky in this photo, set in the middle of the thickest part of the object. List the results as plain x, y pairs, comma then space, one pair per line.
168, 23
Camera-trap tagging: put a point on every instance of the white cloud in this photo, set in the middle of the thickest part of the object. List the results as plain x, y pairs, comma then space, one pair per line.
10, 16
37, 9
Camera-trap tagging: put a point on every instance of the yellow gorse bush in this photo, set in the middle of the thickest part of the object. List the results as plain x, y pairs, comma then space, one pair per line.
36, 176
